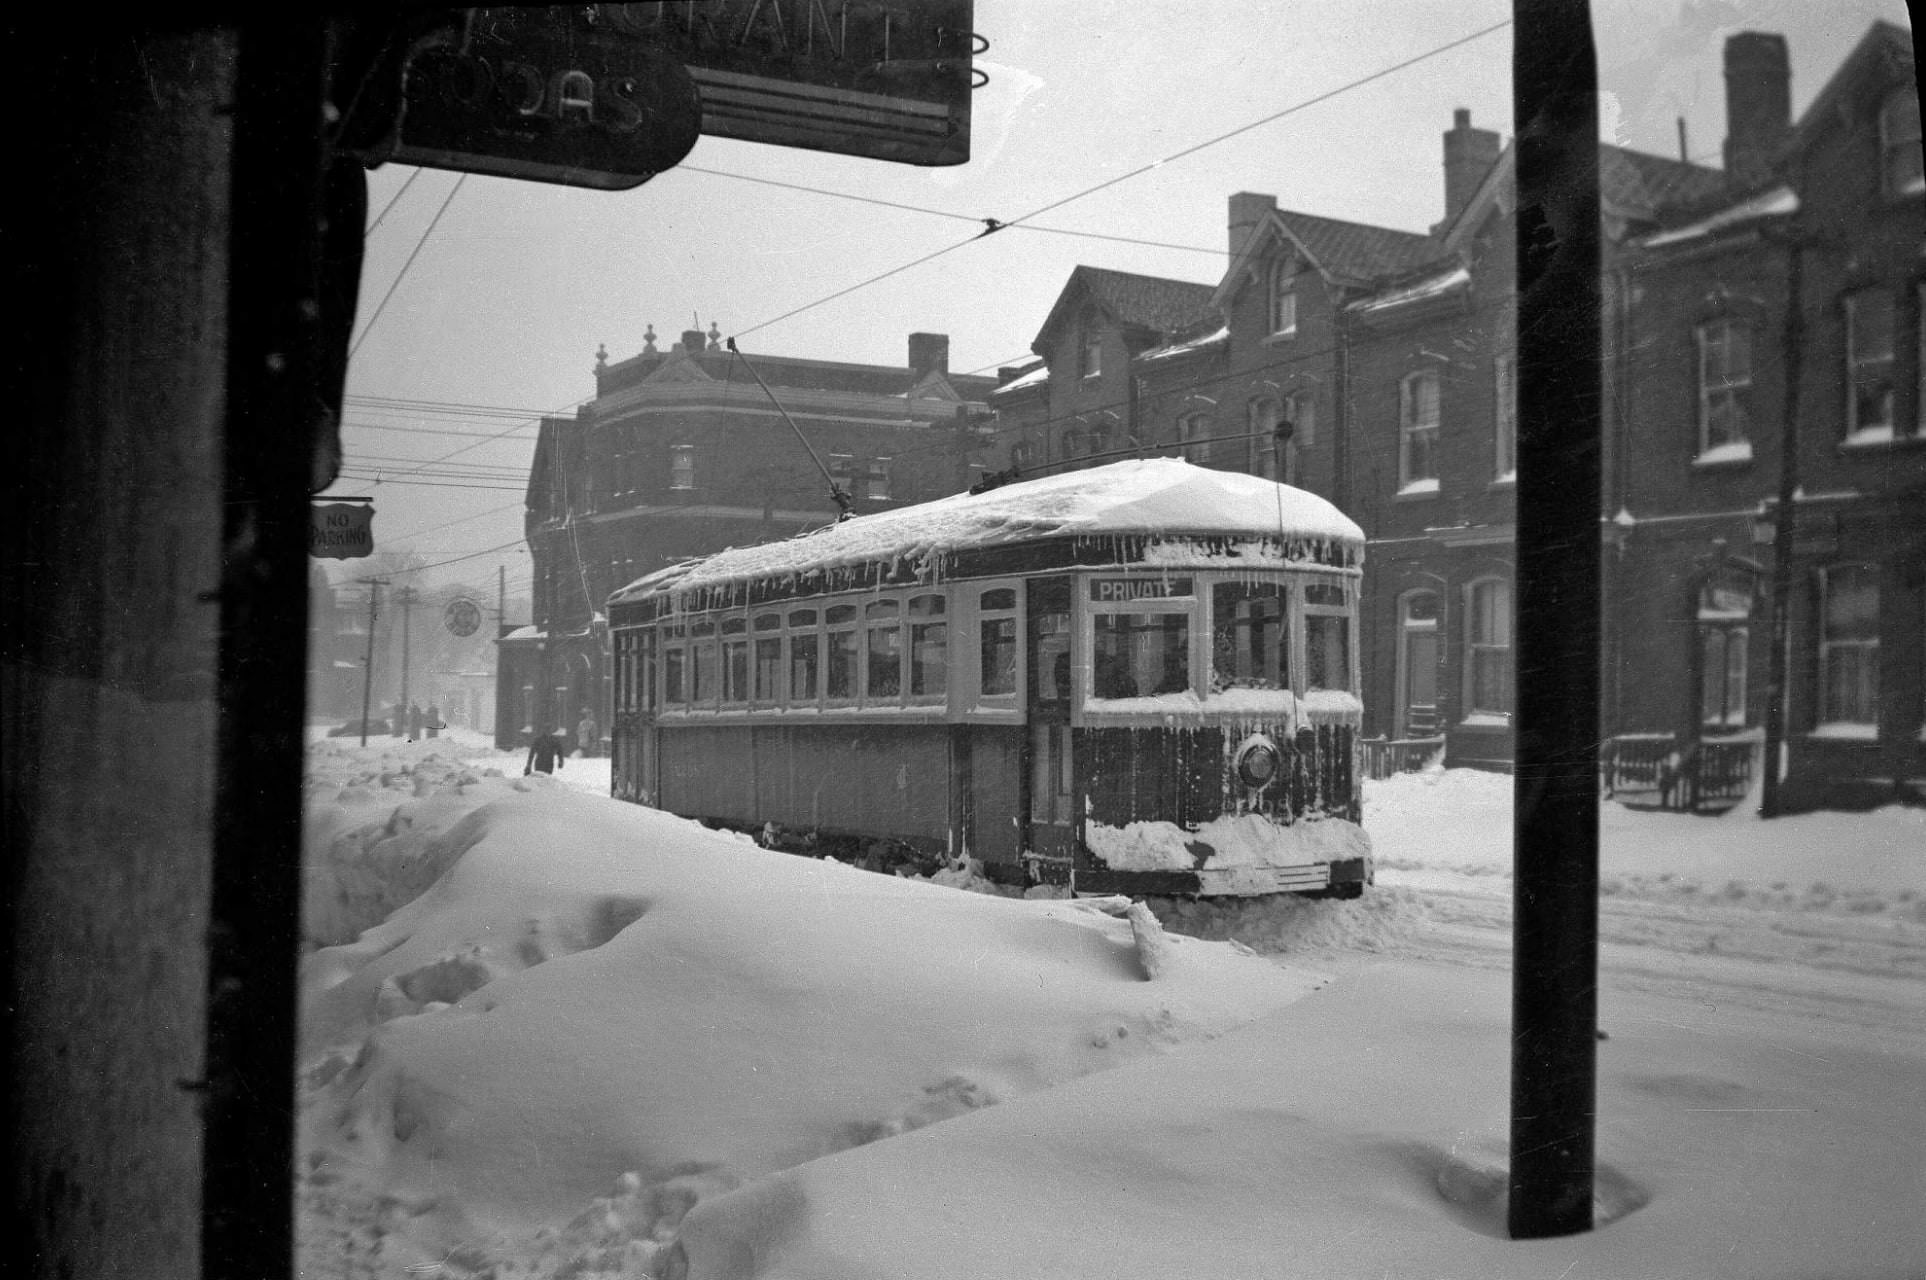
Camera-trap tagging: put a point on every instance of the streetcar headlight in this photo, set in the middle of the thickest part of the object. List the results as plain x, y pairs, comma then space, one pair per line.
1257, 764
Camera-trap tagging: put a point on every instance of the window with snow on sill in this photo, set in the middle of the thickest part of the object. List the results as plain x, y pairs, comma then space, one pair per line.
1881, 434
1486, 720
1419, 486
1846, 731
1725, 454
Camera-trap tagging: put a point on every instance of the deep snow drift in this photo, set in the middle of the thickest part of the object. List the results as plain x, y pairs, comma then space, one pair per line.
605, 1042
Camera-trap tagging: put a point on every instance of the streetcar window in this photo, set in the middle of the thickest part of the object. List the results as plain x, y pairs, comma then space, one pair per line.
840, 679
805, 655
1249, 643
1052, 675
674, 661
999, 598
997, 643
702, 661
735, 660
883, 647
929, 649
767, 674
1327, 651
1141, 654
644, 699
1330, 593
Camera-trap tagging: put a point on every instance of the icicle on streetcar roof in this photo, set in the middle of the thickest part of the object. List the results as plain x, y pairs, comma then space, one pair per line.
1189, 516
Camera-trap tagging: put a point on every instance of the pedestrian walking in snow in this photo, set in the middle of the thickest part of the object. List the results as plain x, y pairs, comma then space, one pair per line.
544, 754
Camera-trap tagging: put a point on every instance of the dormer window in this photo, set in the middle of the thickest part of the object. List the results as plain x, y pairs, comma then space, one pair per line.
1899, 153
1090, 352
1284, 300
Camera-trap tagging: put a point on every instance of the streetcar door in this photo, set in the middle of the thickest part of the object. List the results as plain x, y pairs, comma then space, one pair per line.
1052, 826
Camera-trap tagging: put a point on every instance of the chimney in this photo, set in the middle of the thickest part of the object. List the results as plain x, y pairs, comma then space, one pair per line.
929, 353
693, 341
1758, 105
1468, 156
1247, 212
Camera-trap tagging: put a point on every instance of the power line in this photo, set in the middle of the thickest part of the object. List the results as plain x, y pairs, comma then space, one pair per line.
993, 225
392, 202
403, 273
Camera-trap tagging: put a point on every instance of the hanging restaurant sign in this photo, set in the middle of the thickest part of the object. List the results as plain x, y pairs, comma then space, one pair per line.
341, 530
608, 96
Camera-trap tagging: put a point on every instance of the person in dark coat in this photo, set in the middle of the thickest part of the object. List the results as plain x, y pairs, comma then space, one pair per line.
544, 754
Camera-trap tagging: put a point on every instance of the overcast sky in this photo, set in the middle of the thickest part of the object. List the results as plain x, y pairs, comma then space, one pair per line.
509, 295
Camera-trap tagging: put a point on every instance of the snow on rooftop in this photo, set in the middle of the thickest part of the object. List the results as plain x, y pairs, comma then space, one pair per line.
1430, 286
1779, 200
1037, 375
1157, 496
1220, 334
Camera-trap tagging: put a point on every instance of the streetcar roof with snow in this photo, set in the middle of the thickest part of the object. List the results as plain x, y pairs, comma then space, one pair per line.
1166, 500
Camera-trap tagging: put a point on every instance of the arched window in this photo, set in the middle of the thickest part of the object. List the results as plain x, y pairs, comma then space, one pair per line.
1724, 612
1418, 432
1283, 299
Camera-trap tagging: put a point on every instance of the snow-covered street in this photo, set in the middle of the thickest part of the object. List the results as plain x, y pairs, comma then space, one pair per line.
550, 1034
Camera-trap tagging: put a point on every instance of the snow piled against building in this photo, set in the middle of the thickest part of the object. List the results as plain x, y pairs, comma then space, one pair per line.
1165, 497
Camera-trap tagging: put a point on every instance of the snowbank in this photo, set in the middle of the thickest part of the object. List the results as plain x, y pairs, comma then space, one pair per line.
1361, 1134
599, 1004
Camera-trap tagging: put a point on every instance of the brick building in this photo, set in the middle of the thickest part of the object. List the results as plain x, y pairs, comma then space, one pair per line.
1389, 355
682, 453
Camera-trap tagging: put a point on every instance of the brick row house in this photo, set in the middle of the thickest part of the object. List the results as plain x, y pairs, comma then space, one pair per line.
682, 453
1386, 358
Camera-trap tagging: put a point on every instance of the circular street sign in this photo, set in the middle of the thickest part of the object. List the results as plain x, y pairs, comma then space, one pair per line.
462, 616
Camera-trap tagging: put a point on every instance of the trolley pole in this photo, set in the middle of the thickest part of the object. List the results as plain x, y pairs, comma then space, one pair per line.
1554, 1050
367, 663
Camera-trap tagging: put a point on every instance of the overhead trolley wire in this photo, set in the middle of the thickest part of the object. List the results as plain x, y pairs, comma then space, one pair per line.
993, 225
403, 273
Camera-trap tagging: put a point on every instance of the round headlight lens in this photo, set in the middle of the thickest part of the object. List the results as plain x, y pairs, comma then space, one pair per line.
1257, 765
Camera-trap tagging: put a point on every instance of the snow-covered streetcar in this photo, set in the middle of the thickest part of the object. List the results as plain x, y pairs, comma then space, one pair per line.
1139, 678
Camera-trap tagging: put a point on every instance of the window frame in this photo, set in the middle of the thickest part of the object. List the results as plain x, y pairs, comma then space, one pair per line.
1411, 428
682, 468
970, 614
1266, 460
1723, 385
1346, 609
1504, 418
1858, 365
1826, 646
1281, 302
1083, 632
1899, 181
1089, 345
1474, 646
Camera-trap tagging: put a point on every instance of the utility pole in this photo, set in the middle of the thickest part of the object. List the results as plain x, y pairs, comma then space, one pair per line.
367, 663
1554, 1011
1783, 526
405, 597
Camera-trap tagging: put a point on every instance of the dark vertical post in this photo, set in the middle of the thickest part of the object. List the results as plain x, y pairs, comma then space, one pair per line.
1783, 528
1555, 947
274, 360
367, 663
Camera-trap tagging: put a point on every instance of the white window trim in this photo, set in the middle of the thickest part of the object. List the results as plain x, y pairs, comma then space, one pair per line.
1829, 723
1881, 432
1725, 451
966, 665
1409, 428
1281, 301
1504, 419
1473, 713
